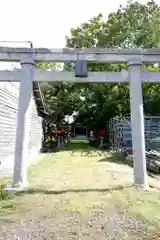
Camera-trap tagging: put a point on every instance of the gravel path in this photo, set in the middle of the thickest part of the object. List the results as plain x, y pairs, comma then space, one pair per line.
42, 216
105, 224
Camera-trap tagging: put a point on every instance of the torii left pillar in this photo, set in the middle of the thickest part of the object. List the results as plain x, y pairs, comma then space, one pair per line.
23, 127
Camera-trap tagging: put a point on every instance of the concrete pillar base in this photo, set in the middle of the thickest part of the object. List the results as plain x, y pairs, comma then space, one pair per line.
142, 186
17, 188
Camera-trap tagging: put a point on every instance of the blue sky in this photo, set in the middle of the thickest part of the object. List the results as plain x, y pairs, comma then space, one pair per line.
47, 22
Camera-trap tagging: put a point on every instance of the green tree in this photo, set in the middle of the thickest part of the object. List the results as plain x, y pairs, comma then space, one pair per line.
133, 26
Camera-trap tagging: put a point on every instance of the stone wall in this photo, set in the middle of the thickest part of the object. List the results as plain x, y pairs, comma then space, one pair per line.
9, 98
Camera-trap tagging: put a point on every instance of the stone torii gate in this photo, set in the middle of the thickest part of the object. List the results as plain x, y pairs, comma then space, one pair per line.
29, 74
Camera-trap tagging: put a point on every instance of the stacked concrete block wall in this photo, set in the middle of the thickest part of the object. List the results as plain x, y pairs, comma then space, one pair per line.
9, 98
120, 132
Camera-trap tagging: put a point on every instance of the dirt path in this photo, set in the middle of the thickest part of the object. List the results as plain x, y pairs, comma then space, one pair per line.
80, 194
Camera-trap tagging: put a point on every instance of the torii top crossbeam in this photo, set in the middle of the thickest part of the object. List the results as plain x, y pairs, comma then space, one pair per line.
89, 54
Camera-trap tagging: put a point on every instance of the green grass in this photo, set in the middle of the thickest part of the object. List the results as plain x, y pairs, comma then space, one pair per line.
69, 181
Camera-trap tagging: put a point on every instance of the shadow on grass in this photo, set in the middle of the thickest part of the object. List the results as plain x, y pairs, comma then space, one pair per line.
115, 158
4, 220
75, 145
83, 148
58, 192
119, 158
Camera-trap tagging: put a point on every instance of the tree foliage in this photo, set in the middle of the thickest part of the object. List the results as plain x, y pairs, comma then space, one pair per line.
133, 26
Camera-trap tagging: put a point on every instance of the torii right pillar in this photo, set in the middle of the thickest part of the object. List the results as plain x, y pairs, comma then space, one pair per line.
137, 121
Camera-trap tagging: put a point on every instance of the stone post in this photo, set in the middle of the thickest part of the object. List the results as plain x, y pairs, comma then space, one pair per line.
59, 141
101, 142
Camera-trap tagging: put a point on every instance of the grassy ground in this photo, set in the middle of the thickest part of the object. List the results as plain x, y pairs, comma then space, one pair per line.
81, 193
